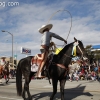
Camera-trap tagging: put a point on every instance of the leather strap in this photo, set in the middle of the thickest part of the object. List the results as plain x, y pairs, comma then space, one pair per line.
60, 65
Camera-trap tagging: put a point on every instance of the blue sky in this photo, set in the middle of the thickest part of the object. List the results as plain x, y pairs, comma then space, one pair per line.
25, 18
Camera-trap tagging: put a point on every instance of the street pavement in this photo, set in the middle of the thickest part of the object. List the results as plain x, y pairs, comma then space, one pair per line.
41, 90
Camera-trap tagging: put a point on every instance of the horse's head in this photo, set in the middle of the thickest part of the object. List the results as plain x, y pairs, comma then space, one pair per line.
71, 50
80, 50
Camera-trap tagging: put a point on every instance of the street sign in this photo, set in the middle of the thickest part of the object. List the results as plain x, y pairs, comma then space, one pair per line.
15, 56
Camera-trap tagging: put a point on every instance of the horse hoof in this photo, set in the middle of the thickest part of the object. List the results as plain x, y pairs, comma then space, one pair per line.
30, 98
7, 82
0, 81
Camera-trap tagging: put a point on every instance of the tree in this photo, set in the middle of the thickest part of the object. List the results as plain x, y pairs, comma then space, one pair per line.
93, 55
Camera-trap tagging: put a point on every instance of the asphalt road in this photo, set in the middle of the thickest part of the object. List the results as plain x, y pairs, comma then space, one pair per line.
41, 90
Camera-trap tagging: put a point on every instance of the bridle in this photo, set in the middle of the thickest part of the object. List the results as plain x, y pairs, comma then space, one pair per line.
77, 45
74, 44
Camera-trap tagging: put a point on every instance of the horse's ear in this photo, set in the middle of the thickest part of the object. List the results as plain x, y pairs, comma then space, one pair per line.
75, 39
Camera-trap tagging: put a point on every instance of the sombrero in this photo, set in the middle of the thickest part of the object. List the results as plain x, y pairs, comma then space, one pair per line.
49, 26
3, 57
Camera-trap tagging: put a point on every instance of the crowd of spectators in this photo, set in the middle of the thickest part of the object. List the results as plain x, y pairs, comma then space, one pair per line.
12, 73
86, 72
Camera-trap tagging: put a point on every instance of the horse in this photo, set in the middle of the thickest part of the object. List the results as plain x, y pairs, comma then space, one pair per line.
4, 72
58, 69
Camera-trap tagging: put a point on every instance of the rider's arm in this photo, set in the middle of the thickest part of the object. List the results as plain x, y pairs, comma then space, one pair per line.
58, 37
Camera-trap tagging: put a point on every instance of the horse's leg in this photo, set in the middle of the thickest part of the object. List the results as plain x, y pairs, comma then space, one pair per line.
7, 78
26, 88
24, 92
31, 75
62, 85
0, 79
54, 83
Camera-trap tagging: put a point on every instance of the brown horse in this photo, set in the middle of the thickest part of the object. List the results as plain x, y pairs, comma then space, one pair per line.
4, 72
1, 71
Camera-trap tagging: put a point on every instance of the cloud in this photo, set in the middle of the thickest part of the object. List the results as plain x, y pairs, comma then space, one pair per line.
23, 22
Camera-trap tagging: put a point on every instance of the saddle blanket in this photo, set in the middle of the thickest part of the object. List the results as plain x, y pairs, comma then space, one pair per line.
34, 68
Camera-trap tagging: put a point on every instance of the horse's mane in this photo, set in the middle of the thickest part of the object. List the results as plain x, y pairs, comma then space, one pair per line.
81, 44
69, 45
65, 48
60, 55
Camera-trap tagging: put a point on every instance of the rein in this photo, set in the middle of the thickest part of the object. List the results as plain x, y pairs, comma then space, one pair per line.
72, 51
74, 46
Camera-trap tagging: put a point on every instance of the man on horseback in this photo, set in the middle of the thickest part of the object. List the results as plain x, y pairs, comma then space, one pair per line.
45, 44
2, 64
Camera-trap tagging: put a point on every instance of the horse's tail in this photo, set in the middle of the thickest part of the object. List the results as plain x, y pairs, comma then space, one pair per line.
19, 79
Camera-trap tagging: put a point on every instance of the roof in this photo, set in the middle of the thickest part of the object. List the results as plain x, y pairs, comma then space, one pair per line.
96, 46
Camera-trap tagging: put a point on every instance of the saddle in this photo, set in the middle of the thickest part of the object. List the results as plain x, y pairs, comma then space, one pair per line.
35, 63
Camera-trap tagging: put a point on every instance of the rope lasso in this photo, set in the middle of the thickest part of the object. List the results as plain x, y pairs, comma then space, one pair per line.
70, 25
70, 16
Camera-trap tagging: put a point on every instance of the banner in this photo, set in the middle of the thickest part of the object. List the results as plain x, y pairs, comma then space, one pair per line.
25, 51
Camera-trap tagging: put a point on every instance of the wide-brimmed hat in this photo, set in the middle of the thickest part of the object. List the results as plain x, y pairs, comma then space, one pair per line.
3, 57
49, 26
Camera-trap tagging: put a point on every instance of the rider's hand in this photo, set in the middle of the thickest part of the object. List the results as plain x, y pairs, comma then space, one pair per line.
65, 41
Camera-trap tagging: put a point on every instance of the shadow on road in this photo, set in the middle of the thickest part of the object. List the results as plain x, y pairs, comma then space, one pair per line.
9, 83
4, 83
69, 93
